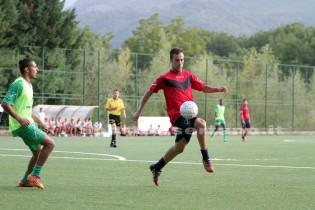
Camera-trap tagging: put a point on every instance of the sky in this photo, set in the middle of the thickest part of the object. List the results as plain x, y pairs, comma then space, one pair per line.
69, 3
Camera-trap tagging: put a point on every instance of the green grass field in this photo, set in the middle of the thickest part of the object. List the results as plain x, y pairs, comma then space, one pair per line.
268, 172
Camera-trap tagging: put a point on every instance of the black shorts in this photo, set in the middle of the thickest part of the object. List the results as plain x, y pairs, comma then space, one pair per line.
185, 128
246, 124
115, 119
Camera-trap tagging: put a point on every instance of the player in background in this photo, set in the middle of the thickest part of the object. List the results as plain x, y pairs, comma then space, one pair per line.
245, 119
219, 119
18, 103
41, 114
115, 107
177, 85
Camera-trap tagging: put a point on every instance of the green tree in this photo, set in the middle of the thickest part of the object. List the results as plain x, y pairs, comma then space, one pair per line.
292, 44
175, 30
257, 40
159, 65
8, 19
38, 23
221, 44
125, 70
49, 25
161, 60
193, 42
126, 81
95, 56
146, 36
37, 28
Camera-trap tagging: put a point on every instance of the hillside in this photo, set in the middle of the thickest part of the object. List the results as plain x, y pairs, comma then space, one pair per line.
236, 17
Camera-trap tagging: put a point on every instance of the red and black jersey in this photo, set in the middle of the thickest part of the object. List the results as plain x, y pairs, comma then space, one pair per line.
244, 111
177, 87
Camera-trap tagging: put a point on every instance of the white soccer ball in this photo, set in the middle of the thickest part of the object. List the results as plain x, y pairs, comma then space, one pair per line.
189, 109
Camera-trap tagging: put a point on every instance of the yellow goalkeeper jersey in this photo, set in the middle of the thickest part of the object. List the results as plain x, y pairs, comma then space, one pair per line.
115, 103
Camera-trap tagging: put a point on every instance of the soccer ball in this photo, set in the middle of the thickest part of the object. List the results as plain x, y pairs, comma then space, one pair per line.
189, 110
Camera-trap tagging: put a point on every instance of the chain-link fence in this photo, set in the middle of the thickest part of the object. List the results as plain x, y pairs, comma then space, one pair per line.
278, 95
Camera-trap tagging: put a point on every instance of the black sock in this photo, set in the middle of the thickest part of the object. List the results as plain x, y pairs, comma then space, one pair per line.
113, 139
205, 154
160, 164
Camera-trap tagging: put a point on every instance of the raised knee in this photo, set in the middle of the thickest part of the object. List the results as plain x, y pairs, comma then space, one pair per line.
51, 145
201, 123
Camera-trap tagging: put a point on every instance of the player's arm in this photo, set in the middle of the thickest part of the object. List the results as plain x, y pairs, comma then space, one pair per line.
111, 108
208, 89
242, 118
9, 109
123, 109
144, 100
124, 112
216, 112
108, 106
39, 122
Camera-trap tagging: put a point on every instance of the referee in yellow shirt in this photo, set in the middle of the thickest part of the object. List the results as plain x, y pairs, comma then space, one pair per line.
115, 106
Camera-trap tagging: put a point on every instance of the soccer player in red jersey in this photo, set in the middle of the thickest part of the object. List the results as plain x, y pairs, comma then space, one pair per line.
177, 85
245, 119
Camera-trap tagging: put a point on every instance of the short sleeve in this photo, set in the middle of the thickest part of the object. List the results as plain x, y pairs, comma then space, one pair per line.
157, 85
122, 104
107, 104
15, 90
196, 83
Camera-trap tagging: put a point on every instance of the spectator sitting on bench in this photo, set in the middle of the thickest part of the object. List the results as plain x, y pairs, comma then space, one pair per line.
151, 131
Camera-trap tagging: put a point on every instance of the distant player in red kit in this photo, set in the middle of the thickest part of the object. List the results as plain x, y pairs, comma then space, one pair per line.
177, 85
245, 120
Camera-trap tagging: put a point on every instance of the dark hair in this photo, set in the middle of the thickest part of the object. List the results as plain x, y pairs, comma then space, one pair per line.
26, 62
175, 51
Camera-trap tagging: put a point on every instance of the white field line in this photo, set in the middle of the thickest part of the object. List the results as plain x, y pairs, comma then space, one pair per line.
299, 140
120, 158
69, 152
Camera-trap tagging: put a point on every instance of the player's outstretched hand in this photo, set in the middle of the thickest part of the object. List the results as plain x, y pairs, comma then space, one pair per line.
135, 116
224, 89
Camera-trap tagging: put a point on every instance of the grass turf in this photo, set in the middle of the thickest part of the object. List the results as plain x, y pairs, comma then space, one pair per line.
268, 172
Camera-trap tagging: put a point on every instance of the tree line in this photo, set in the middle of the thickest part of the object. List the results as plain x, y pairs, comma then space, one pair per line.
47, 24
